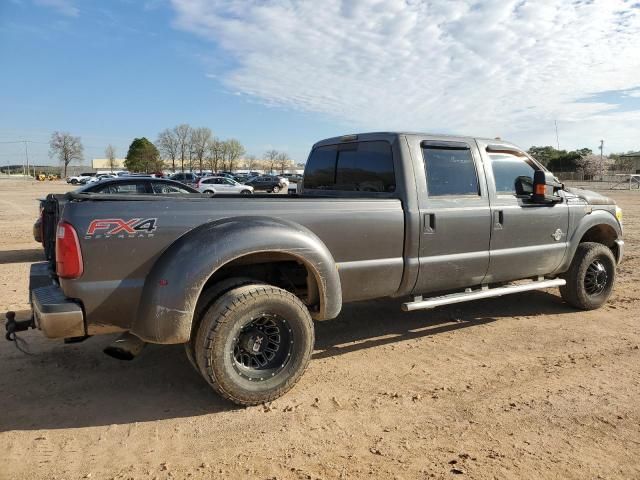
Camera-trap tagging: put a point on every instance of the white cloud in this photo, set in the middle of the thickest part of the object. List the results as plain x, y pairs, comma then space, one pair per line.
64, 7
497, 67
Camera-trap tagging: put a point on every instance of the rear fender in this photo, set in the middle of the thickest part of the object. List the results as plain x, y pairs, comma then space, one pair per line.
173, 286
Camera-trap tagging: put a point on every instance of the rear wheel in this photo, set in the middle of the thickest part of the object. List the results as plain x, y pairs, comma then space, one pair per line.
210, 192
276, 189
254, 343
204, 302
590, 277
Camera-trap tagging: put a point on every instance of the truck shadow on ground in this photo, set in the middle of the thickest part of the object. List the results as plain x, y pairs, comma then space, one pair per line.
21, 256
72, 386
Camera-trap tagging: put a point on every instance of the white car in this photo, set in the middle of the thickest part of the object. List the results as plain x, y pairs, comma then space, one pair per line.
101, 176
82, 178
222, 186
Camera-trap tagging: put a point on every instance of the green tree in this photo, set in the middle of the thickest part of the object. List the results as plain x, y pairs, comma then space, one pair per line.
542, 154
143, 156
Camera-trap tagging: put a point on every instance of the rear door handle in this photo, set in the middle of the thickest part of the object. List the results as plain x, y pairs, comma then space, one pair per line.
429, 223
498, 219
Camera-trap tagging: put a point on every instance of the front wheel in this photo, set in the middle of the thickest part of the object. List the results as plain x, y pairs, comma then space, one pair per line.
590, 277
254, 343
246, 192
276, 189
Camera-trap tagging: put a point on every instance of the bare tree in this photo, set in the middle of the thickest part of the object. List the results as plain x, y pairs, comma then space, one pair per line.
233, 150
66, 147
110, 154
183, 137
284, 162
200, 138
271, 159
215, 154
168, 145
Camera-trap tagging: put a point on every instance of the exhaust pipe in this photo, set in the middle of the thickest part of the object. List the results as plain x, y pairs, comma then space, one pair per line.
126, 347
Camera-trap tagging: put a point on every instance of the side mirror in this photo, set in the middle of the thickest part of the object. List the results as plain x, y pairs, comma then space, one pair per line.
545, 185
524, 186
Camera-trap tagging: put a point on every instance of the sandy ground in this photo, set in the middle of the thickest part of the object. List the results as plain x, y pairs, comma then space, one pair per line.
517, 387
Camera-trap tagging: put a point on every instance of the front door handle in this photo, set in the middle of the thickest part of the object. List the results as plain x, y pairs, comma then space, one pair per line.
429, 223
498, 220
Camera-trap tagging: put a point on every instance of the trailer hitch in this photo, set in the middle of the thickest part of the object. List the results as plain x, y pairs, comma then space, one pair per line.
12, 326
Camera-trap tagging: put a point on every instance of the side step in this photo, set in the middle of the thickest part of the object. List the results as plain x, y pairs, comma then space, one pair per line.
420, 304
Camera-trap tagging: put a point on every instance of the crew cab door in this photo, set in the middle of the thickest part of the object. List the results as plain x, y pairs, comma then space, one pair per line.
527, 239
454, 213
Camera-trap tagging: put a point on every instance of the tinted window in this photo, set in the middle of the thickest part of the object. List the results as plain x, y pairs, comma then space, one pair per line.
450, 172
161, 187
507, 168
321, 168
361, 167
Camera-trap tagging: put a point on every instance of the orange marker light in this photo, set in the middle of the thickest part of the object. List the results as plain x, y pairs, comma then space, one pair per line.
540, 189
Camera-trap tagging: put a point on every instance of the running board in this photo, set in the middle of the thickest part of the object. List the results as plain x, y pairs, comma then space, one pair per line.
420, 304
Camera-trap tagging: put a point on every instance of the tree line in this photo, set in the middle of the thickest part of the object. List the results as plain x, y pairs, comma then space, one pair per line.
180, 148
580, 160
187, 148
184, 147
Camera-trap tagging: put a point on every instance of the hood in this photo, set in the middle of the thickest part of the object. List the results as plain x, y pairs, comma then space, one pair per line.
592, 198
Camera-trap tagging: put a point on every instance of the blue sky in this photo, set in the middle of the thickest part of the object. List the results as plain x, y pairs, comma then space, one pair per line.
283, 74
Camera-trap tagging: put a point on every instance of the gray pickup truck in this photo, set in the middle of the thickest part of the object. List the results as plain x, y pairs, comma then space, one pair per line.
239, 280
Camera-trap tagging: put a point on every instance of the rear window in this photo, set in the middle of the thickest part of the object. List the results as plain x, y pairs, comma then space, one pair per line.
162, 187
353, 167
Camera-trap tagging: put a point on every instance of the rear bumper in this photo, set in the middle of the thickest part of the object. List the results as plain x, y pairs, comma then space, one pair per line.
53, 313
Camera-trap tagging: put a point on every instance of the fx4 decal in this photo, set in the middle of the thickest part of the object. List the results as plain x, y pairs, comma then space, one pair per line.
134, 227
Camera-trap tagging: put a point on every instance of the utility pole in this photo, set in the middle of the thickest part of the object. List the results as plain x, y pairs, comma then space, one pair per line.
601, 148
601, 155
557, 137
26, 154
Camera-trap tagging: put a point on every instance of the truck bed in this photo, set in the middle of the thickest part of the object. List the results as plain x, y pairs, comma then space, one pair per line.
364, 235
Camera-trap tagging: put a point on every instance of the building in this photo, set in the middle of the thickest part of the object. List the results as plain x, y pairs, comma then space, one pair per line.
630, 162
103, 164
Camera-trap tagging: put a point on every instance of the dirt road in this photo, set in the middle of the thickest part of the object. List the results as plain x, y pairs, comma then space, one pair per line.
516, 387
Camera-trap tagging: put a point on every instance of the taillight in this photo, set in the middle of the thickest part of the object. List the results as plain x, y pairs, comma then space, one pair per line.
68, 254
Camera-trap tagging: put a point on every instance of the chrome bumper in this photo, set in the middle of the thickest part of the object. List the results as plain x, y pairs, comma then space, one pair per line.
53, 313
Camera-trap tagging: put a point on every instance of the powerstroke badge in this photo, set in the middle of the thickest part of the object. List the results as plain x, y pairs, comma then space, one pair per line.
121, 228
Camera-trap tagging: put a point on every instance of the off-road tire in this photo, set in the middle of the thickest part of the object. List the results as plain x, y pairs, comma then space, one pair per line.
204, 302
575, 292
222, 329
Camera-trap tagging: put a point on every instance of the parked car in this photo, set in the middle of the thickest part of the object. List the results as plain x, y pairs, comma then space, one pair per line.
188, 178
267, 183
82, 178
99, 177
129, 185
438, 220
139, 184
223, 186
